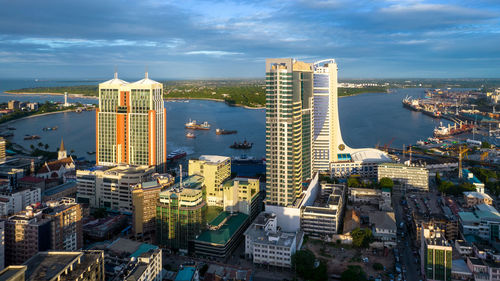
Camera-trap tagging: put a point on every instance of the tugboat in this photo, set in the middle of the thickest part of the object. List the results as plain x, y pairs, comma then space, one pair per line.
31, 137
241, 145
190, 135
225, 132
176, 154
193, 126
90, 152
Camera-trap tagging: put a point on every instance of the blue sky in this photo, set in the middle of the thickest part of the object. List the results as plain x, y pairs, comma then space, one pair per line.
219, 39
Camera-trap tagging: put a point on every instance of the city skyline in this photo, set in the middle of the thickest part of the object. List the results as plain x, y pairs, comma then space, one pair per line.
197, 40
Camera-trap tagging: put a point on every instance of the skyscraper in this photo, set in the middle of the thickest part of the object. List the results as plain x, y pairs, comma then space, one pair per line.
288, 116
131, 123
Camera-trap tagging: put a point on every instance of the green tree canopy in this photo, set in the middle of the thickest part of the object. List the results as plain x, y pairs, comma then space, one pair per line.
361, 237
353, 181
353, 273
303, 262
386, 182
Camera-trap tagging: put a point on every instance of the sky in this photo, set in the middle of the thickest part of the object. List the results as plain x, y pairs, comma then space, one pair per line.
191, 39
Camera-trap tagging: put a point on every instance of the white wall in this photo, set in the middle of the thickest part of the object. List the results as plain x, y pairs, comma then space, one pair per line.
288, 217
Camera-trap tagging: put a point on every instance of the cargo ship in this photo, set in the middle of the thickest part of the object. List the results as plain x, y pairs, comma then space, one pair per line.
225, 132
176, 154
193, 126
411, 104
442, 132
431, 111
241, 145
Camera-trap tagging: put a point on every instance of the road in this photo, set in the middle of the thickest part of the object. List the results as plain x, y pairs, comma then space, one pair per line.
407, 244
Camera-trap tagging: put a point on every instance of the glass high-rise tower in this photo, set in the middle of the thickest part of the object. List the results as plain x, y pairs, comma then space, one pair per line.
131, 123
289, 91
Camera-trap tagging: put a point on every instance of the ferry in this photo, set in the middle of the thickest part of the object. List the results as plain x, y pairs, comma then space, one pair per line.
31, 137
193, 126
176, 154
190, 136
225, 132
243, 159
241, 145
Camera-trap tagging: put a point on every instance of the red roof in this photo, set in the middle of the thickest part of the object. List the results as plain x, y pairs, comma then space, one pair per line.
55, 165
31, 179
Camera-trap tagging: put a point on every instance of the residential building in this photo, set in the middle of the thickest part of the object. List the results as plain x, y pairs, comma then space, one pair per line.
324, 217
3, 155
146, 267
217, 272
447, 224
66, 266
111, 188
180, 213
215, 170
32, 106
187, 273
242, 195
145, 196
289, 91
131, 125
265, 243
222, 236
384, 227
405, 177
2, 245
479, 269
13, 273
14, 104
471, 178
436, 255
12, 202
378, 197
483, 222
460, 270
66, 224
474, 198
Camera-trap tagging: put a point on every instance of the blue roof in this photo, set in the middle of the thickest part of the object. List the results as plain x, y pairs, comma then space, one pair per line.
473, 180
59, 188
142, 249
185, 274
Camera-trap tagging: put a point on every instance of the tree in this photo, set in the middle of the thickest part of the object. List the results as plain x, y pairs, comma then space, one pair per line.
32, 147
303, 262
438, 178
320, 273
485, 145
40, 144
353, 273
378, 266
386, 182
46, 146
361, 237
353, 182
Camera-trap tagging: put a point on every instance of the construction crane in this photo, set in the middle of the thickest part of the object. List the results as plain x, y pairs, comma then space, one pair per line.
388, 145
484, 155
461, 151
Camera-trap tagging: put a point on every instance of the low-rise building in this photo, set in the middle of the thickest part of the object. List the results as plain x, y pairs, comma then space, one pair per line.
111, 188
474, 198
146, 267
2, 245
377, 197
242, 195
265, 243
471, 178
217, 272
384, 227
13, 273
222, 236
12, 202
187, 273
67, 189
323, 218
405, 177
59, 167
484, 222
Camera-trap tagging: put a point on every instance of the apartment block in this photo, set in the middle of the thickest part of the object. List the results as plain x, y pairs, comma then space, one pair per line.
215, 170
436, 255
111, 188
12, 202
406, 177
242, 195
66, 224
146, 267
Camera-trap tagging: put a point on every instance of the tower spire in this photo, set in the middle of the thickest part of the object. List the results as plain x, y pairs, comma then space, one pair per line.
116, 72
146, 75
61, 147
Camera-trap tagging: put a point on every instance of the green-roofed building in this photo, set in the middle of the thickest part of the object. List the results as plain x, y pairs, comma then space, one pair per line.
223, 235
180, 214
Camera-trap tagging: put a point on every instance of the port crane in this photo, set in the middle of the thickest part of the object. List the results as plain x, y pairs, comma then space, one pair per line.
461, 151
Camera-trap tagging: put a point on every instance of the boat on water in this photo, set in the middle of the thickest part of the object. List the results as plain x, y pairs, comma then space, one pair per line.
244, 159
50, 128
11, 128
431, 111
90, 152
192, 125
190, 136
412, 104
7, 135
176, 154
442, 132
241, 145
225, 132
31, 137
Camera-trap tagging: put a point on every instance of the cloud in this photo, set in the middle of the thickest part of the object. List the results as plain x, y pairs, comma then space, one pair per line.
213, 53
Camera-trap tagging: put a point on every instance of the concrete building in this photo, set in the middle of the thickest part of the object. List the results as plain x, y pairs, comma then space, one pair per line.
111, 188
474, 198
405, 177
242, 195
435, 255
2, 245
131, 124
471, 178
215, 170
145, 196
323, 218
265, 243
180, 213
13, 273
289, 92
378, 197
14, 104
483, 222
384, 229
146, 267
66, 266
3, 155
66, 224
223, 235
12, 202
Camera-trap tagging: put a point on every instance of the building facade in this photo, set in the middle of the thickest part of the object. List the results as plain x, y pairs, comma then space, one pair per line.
66, 224
242, 195
16, 201
407, 177
131, 123
111, 188
436, 255
147, 267
215, 170
289, 92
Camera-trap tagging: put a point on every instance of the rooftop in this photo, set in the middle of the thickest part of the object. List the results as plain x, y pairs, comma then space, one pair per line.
383, 220
59, 188
370, 155
224, 232
12, 272
478, 195
185, 274
215, 159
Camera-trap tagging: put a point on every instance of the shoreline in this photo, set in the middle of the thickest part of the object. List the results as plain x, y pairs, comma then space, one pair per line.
37, 115
53, 94
216, 100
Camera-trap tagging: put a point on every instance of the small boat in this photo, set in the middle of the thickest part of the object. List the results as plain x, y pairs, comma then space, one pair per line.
50, 128
244, 159
11, 128
7, 135
241, 145
190, 135
31, 137
225, 132
90, 152
176, 154
193, 126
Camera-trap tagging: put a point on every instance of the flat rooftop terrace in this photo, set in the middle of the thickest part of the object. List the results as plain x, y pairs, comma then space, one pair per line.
227, 224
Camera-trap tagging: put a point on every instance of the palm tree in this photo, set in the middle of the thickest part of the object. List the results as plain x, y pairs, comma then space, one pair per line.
40, 144
46, 146
72, 152
32, 147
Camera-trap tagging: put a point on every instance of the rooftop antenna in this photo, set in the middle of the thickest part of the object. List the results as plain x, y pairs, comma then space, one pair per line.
146, 76
116, 72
